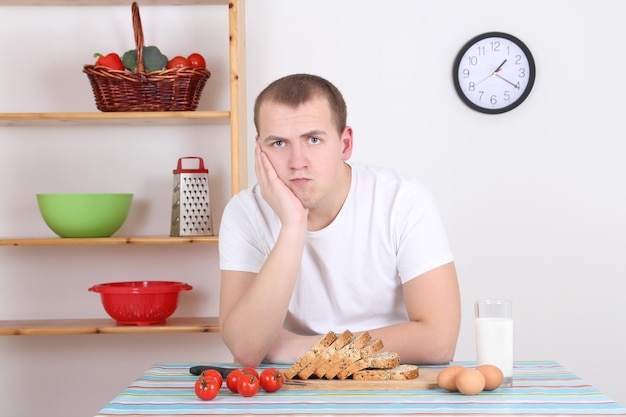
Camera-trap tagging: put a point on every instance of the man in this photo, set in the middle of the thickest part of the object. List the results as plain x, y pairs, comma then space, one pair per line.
323, 244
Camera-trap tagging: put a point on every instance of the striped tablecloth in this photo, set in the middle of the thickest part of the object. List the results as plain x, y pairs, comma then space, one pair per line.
540, 388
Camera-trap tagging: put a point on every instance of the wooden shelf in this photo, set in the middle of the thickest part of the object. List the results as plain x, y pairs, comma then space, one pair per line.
122, 118
121, 240
235, 117
106, 326
110, 2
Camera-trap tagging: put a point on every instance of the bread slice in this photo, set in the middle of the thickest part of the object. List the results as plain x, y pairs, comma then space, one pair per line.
371, 348
397, 373
355, 361
344, 356
383, 360
325, 354
369, 359
352, 368
311, 354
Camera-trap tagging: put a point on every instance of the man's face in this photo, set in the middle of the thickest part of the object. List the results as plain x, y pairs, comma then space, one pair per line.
305, 148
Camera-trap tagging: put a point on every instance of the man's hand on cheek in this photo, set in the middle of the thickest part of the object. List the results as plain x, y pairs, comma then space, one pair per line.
274, 190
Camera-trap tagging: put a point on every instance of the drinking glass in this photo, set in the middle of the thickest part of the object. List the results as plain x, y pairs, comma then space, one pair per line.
494, 336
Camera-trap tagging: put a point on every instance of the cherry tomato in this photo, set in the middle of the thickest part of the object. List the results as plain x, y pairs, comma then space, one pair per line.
196, 60
212, 373
248, 370
271, 379
232, 379
248, 385
178, 62
206, 388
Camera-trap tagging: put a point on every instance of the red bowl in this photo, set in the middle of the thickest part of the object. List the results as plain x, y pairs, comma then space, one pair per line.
140, 302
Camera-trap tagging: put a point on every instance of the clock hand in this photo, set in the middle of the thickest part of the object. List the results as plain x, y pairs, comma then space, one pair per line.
500, 67
494, 72
504, 79
486, 78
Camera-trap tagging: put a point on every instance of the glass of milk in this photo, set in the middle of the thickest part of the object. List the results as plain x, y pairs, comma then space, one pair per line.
494, 336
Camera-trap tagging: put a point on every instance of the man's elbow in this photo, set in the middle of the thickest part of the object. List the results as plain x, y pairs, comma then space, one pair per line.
247, 354
443, 351
442, 356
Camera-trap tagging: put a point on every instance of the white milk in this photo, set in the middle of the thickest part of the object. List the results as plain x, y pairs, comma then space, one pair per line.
494, 343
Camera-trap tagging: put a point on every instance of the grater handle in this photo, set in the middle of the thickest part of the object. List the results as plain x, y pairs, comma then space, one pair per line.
179, 167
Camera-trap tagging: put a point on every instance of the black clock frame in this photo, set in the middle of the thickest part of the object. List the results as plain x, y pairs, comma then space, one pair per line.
468, 45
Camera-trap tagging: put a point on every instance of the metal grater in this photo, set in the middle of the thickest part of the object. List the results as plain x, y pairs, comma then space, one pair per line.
191, 202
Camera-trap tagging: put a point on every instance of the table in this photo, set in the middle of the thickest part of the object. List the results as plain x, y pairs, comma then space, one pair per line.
540, 388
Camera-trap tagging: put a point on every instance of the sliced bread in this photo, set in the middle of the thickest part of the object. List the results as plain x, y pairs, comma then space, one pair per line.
344, 356
383, 360
325, 354
372, 347
397, 373
311, 354
364, 362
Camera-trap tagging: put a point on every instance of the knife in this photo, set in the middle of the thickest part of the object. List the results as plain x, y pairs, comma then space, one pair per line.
198, 369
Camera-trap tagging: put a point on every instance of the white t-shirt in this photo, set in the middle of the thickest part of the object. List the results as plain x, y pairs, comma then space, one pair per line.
387, 232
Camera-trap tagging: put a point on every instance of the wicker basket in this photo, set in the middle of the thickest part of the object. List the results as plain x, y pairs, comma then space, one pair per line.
176, 89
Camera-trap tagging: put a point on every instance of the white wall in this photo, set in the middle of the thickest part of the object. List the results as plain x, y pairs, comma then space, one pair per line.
533, 199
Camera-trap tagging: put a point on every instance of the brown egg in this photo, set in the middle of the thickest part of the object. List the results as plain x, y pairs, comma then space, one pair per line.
446, 378
493, 376
470, 381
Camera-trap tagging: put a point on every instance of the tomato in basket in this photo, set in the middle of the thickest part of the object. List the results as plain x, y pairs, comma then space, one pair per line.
178, 62
196, 60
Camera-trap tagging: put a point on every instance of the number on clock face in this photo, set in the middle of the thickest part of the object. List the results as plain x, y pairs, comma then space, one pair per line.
494, 72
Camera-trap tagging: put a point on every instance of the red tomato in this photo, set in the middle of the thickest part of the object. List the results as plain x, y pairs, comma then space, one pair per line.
212, 373
206, 388
248, 370
248, 385
271, 379
232, 379
196, 60
178, 62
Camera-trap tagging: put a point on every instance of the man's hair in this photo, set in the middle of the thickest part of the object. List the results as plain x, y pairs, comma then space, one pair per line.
296, 89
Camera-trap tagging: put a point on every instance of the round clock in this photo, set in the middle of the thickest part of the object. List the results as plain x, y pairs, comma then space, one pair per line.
494, 72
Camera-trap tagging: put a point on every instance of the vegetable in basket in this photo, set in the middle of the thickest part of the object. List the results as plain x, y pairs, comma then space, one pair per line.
111, 60
178, 62
194, 60
153, 59
197, 60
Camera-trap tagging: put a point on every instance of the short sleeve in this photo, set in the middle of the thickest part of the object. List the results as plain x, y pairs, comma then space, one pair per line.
243, 240
422, 243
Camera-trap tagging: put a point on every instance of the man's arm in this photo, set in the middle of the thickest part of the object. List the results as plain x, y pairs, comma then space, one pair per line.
253, 306
433, 306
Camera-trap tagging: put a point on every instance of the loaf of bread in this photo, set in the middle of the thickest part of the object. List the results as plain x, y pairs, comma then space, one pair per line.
345, 355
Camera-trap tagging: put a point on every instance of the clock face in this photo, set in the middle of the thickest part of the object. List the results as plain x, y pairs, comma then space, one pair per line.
494, 72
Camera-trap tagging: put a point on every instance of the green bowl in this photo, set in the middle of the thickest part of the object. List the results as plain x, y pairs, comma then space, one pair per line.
84, 215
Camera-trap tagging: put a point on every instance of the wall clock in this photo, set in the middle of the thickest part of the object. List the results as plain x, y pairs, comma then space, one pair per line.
494, 72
